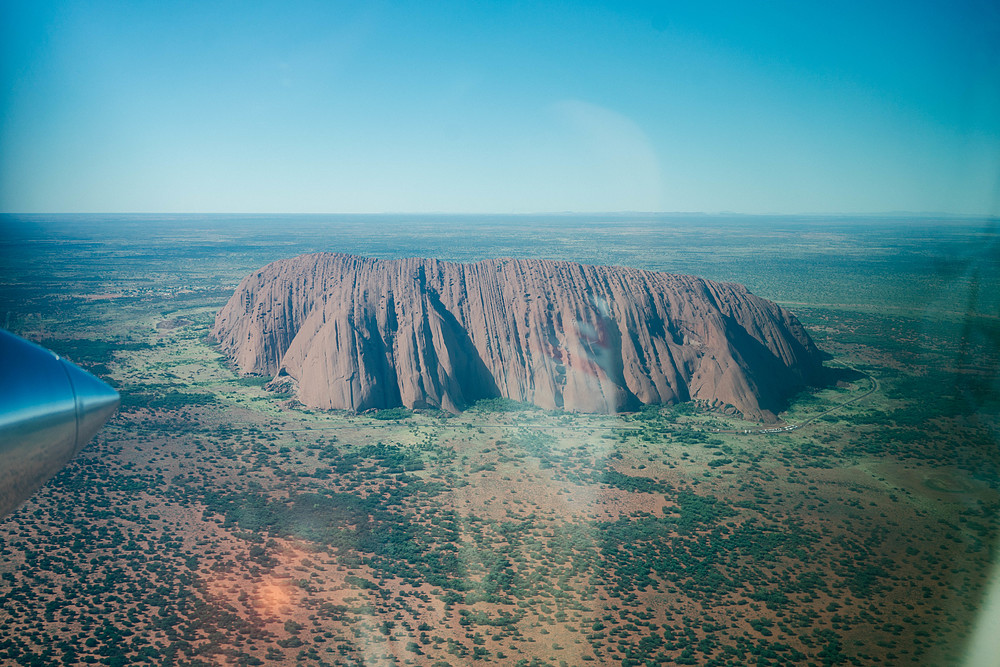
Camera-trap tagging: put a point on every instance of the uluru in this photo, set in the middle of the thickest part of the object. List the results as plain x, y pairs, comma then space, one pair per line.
357, 333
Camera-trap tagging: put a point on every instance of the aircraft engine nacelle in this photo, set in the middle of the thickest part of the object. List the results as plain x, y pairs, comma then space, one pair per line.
49, 409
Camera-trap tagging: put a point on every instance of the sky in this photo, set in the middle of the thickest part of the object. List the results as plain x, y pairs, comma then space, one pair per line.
500, 107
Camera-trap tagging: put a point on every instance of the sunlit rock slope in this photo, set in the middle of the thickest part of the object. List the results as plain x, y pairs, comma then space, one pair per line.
359, 333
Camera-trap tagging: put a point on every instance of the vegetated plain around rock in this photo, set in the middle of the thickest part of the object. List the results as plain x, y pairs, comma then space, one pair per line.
215, 522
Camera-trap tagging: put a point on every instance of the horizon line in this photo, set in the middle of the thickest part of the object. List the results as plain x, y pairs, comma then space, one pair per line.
816, 214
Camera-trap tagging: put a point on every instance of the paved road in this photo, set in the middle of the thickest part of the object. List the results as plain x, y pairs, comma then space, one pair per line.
795, 427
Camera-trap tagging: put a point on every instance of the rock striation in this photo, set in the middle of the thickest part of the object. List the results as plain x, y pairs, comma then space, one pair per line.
357, 333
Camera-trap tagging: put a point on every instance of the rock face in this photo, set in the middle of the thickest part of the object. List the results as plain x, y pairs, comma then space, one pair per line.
357, 333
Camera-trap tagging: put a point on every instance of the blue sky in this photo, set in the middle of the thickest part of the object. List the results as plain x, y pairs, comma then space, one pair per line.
761, 107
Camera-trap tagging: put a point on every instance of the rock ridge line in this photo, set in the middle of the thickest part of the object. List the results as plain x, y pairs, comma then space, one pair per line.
357, 333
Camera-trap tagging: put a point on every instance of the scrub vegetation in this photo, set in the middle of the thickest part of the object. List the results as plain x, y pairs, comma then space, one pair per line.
216, 522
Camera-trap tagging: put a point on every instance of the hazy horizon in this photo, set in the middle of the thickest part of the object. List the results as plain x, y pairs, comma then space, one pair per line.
454, 214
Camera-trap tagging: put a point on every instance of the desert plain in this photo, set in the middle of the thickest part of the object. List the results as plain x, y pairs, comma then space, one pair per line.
217, 521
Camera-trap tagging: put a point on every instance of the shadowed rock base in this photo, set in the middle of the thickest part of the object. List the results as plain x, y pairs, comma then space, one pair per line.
357, 333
